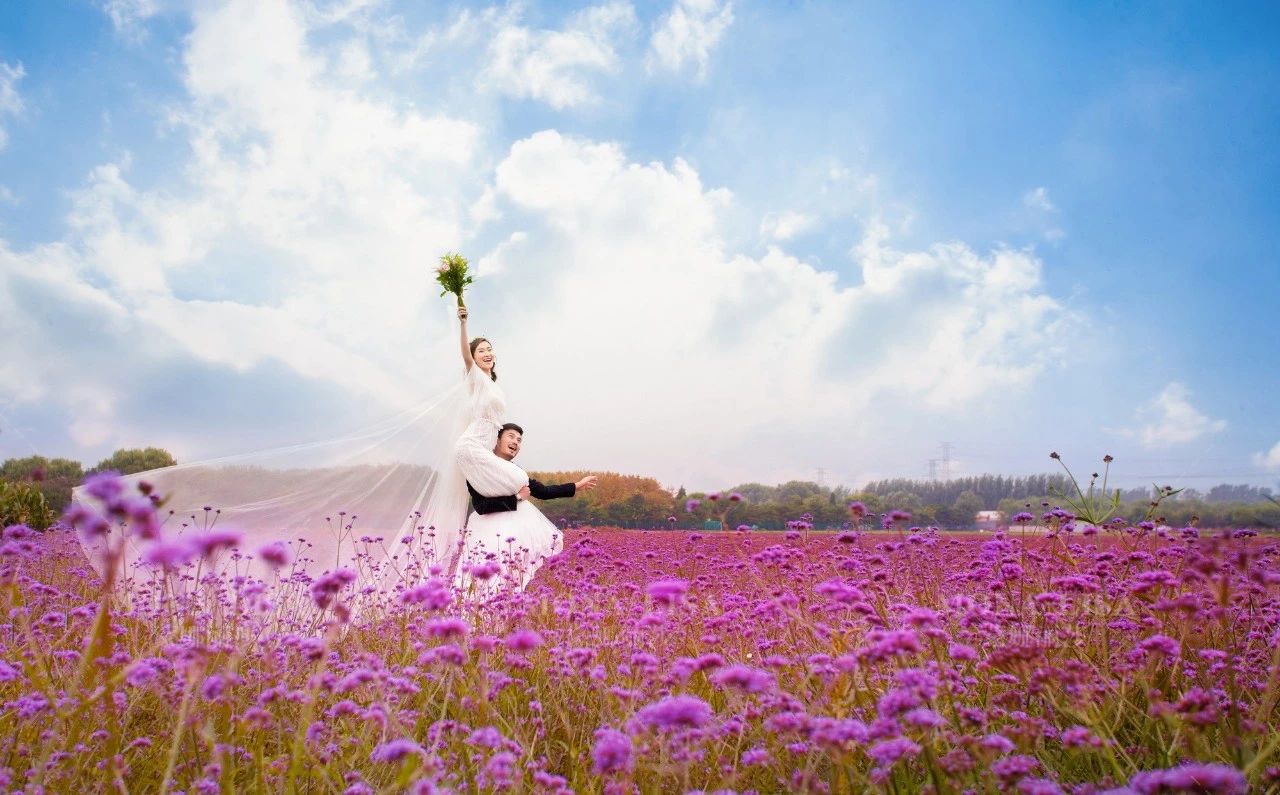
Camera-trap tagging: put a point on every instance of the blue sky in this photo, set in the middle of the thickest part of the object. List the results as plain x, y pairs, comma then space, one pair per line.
878, 227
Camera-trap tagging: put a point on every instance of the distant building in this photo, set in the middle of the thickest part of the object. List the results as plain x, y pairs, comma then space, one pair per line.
988, 520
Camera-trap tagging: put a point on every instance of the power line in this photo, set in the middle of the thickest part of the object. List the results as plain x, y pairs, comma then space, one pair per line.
946, 448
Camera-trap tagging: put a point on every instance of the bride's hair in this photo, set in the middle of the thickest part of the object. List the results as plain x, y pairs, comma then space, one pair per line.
475, 343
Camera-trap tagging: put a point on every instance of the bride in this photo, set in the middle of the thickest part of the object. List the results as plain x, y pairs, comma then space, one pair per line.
369, 501
505, 548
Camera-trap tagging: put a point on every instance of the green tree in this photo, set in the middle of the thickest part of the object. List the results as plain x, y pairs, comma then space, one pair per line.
22, 503
903, 501
129, 461
964, 510
797, 490
38, 468
756, 493
54, 478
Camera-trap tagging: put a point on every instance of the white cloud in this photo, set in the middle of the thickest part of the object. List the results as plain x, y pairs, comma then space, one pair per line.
1044, 213
558, 66
687, 34
10, 100
499, 259
336, 11
784, 226
631, 332
1269, 460
128, 16
1170, 419
309, 215
635, 255
1038, 199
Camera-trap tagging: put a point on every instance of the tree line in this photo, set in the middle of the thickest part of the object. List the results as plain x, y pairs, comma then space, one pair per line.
989, 489
35, 489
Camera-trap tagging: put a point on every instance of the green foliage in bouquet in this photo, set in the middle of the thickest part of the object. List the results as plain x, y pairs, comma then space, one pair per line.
22, 503
452, 275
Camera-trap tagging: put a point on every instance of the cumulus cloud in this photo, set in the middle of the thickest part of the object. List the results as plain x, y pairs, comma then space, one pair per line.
10, 100
129, 16
686, 35
1170, 419
784, 226
1269, 460
307, 218
638, 254
557, 66
283, 287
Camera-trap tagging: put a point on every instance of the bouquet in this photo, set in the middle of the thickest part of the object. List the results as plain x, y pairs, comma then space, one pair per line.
452, 275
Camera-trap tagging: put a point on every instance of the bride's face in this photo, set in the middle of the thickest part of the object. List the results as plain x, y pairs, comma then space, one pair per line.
484, 356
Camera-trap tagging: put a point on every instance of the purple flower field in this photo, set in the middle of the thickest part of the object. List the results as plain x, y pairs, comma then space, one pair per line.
1131, 660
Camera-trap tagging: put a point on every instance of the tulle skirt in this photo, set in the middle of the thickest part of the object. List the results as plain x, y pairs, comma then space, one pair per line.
505, 549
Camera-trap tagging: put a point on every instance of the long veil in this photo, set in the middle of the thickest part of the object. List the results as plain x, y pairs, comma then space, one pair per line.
369, 500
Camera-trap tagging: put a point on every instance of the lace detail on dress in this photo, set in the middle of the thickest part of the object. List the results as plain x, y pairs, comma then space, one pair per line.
487, 399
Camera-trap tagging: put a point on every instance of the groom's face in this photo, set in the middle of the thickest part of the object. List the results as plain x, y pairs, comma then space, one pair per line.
508, 444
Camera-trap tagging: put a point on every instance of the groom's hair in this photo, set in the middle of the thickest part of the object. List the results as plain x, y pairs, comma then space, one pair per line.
510, 426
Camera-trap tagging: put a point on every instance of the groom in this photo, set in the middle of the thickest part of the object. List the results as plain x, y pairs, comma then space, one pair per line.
510, 437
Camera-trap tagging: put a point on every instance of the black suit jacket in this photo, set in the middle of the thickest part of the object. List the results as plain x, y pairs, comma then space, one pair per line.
537, 489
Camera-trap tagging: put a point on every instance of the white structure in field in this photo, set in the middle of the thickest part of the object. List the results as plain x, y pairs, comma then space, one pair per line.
988, 519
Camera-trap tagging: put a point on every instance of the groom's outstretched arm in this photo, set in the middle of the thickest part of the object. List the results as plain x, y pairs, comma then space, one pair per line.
544, 492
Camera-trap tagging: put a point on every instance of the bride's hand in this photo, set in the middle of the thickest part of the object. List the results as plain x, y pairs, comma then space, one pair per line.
462, 314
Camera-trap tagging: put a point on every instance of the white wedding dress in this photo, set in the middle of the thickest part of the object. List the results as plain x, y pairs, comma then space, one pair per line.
388, 501
504, 549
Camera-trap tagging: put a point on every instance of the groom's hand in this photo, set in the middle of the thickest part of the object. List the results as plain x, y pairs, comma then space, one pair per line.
523, 493
586, 484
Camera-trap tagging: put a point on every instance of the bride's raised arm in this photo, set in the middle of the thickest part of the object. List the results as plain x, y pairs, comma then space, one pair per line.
466, 346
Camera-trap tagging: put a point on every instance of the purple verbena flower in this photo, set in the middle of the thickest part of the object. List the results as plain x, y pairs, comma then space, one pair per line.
611, 752
886, 752
394, 750
667, 591
743, 677
213, 686
523, 640
446, 627
207, 544
324, 588
276, 554
105, 486
676, 712
1197, 778
432, 594
168, 554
